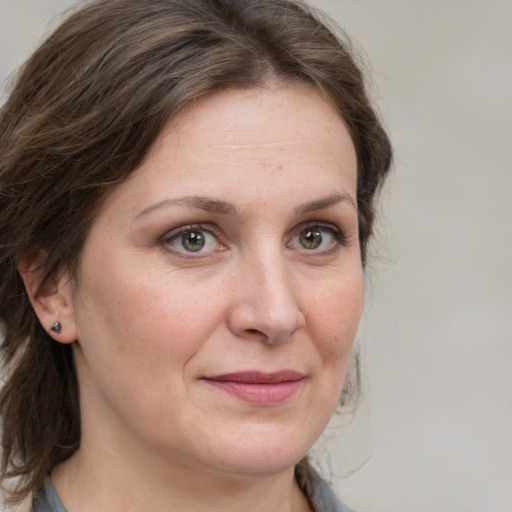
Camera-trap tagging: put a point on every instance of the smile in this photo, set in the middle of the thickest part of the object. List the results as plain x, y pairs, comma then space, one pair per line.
259, 388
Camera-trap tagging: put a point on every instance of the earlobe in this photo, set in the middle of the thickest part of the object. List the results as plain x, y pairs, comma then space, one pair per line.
51, 297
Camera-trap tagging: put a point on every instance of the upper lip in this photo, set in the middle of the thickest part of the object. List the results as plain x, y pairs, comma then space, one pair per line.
257, 377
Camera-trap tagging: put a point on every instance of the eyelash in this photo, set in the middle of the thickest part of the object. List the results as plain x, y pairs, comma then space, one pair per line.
175, 234
339, 239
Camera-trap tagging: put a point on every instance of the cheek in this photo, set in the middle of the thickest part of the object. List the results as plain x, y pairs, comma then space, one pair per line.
143, 315
334, 317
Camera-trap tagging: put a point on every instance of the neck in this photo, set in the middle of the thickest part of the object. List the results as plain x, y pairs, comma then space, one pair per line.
84, 484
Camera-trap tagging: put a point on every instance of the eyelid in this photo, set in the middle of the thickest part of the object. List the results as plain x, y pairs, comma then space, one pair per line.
332, 228
175, 233
339, 239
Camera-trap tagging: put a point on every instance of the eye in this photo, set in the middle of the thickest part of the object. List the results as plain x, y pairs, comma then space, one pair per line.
310, 238
318, 238
192, 240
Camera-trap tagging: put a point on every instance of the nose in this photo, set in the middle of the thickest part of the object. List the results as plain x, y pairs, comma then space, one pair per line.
266, 305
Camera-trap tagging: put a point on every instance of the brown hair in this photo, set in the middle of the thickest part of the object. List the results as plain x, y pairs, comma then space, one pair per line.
83, 114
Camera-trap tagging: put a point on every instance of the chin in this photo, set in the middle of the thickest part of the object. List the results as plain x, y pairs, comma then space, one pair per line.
263, 453
258, 465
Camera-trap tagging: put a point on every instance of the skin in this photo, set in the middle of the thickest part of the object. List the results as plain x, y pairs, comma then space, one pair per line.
152, 320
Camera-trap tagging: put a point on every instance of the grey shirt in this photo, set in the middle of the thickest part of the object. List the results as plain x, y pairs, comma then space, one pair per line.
319, 493
46, 499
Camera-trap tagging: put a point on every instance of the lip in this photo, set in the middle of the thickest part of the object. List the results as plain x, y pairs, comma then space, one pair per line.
259, 388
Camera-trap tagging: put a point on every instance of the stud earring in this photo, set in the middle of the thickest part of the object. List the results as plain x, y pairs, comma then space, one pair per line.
56, 327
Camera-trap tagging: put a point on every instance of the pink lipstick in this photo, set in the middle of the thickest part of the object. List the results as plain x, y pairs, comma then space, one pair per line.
259, 387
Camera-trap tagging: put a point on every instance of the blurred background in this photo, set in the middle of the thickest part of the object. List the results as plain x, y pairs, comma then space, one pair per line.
433, 431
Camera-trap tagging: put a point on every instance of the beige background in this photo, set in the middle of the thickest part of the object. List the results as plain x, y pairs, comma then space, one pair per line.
434, 429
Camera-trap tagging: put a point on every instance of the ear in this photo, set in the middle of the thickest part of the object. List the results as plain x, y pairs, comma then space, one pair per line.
51, 297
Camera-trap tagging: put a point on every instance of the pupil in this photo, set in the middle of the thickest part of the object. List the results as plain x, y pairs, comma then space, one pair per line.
311, 239
193, 241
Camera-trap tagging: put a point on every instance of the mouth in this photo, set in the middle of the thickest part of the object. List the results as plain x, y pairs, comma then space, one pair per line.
259, 387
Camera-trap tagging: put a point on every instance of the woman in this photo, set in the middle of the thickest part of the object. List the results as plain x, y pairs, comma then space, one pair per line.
187, 193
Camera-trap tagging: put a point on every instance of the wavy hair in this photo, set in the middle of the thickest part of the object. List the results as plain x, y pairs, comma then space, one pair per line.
83, 113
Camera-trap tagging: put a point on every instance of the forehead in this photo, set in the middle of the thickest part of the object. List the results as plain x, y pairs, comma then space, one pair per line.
296, 119
244, 142
272, 109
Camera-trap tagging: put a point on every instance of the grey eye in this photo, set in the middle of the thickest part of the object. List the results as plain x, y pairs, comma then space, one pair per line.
318, 238
193, 241
310, 238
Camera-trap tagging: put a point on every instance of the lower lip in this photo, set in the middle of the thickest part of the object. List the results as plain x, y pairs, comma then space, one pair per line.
259, 393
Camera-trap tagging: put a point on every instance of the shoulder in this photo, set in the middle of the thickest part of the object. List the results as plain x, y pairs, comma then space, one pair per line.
45, 500
319, 493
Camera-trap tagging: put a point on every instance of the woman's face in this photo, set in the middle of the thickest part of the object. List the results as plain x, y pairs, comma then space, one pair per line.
220, 287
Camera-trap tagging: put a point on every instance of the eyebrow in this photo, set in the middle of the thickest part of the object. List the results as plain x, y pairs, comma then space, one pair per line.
325, 202
199, 202
219, 207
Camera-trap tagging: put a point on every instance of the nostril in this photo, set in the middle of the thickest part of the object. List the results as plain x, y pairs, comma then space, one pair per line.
255, 334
